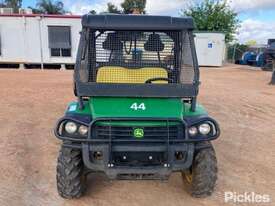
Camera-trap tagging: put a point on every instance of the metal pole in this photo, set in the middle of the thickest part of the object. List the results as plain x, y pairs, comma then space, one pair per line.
272, 82
41, 45
234, 53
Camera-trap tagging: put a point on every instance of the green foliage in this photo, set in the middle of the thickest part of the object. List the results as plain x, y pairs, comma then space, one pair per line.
35, 10
49, 7
214, 15
111, 8
92, 12
251, 42
129, 5
15, 4
235, 51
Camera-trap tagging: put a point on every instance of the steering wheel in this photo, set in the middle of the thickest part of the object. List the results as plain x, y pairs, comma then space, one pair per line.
149, 81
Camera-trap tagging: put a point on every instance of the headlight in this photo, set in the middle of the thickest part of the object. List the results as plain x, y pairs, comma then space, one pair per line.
70, 127
83, 130
193, 131
204, 128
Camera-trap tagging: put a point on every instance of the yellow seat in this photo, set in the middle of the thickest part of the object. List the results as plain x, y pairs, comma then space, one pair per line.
114, 74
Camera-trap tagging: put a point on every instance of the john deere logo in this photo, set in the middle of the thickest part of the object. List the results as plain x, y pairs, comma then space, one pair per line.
138, 133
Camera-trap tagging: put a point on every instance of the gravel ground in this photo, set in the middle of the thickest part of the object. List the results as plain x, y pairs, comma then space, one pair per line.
238, 97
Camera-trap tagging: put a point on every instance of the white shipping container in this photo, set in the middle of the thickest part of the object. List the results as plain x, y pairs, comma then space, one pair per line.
210, 48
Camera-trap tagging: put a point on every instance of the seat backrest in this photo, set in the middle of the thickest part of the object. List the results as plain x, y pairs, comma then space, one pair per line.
115, 74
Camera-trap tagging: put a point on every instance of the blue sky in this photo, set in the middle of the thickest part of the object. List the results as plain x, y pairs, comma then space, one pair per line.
257, 16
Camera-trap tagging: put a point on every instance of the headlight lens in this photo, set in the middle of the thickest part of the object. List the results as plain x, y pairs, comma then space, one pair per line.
70, 127
193, 131
83, 130
204, 128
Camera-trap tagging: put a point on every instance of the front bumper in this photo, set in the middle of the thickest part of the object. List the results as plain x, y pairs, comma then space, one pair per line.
131, 158
115, 169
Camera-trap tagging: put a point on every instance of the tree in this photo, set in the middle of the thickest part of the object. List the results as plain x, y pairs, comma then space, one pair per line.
49, 7
251, 42
35, 10
15, 4
111, 8
129, 5
214, 15
92, 12
235, 52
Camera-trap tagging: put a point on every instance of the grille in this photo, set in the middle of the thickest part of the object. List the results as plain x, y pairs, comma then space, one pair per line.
118, 132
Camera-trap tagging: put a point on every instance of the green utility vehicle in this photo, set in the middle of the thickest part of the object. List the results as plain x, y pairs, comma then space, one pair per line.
136, 116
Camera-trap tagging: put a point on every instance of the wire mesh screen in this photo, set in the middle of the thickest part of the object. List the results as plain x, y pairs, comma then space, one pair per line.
137, 57
187, 73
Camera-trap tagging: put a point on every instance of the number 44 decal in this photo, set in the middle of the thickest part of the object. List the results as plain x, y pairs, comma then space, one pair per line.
136, 106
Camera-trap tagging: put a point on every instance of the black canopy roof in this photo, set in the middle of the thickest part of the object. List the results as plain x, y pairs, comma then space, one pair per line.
136, 22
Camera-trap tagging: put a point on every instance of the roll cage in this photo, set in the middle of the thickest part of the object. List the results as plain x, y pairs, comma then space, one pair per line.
137, 56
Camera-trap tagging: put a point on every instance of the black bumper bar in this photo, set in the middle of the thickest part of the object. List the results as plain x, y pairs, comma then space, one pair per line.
109, 148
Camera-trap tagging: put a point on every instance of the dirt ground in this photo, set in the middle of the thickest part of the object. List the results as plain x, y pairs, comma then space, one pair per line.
32, 100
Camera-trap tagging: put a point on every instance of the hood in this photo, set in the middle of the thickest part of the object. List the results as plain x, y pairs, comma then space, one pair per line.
136, 107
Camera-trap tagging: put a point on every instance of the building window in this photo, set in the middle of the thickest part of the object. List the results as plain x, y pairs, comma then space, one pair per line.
60, 41
60, 52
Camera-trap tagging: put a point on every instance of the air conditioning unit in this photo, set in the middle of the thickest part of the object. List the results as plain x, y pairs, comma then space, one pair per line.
6, 10
25, 11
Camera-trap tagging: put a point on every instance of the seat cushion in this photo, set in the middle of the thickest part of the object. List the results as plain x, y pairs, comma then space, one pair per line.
114, 74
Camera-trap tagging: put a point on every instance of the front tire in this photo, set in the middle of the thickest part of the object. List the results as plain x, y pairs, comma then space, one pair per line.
69, 176
202, 176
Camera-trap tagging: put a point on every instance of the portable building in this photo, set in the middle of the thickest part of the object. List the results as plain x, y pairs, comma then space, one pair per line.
36, 39
210, 48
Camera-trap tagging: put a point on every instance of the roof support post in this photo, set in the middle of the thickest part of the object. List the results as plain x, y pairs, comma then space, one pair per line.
272, 82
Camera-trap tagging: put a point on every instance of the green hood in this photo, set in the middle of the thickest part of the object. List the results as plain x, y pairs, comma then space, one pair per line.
136, 107
108, 107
